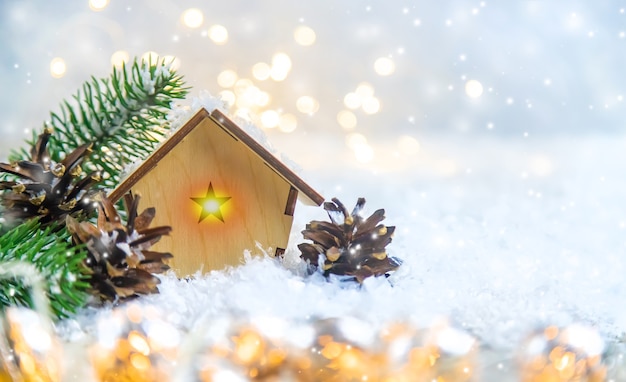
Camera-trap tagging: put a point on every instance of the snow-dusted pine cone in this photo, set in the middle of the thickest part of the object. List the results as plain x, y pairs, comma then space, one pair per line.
46, 189
121, 264
349, 245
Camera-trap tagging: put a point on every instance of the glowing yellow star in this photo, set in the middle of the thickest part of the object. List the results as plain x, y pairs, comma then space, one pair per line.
211, 204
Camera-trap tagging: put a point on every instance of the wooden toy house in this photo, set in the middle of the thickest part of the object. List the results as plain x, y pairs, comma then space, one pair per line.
220, 190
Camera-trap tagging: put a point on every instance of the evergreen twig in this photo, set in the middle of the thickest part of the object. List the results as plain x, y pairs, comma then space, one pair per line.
124, 117
59, 263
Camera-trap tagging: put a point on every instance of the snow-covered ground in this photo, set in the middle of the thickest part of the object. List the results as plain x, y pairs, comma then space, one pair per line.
502, 237
493, 136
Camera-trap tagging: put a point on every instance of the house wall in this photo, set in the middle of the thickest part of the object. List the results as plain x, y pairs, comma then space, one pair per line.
254, 213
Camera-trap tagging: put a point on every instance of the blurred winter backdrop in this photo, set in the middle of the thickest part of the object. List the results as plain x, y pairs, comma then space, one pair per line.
492, 132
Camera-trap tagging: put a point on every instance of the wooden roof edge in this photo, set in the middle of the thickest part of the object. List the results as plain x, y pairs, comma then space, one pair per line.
307, 193
154, 158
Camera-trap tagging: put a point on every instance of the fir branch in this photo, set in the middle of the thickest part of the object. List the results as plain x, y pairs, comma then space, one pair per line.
31, 278
51, 253
124, 117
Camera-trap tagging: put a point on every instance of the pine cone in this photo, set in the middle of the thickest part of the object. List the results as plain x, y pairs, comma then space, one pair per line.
349, 245
47, 189
122, 266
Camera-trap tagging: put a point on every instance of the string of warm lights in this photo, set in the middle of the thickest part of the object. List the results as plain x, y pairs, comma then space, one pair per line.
136, 343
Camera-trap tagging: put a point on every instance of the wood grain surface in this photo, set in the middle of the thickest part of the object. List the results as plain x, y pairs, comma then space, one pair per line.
211, 149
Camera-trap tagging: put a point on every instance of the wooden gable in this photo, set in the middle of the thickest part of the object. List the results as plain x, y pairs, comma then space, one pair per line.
220, 191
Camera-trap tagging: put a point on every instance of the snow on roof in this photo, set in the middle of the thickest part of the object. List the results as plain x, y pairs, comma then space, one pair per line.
245, 131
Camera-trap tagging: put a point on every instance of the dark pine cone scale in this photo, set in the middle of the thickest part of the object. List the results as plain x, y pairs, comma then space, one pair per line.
46, 189
349, 244
121, 264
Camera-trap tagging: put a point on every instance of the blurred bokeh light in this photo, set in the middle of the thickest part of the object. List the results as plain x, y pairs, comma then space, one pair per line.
314, 72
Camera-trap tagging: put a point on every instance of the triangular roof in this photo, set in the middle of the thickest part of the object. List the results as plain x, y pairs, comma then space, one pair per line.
306, 193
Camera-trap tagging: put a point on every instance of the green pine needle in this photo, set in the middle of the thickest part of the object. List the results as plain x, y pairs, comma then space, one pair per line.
49, 250
123, 116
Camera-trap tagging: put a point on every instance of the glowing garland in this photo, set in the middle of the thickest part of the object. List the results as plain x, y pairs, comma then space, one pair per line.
135, 343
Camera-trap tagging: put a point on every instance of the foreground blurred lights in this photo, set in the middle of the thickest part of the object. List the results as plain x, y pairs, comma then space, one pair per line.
227, 78
193, 17
346, 119
218, 34
57, 67
304, 35
473, 89
287, 123
384, 66
261, 71
98, 5
439, 353
556, 354
34, 352
134, 345
119, 58
270, 119
307, 105
138, 344
281, 65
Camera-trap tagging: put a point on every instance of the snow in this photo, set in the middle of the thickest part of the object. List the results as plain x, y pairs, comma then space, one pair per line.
31, 277
204, 100
509, 203
183, 112
500, 251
